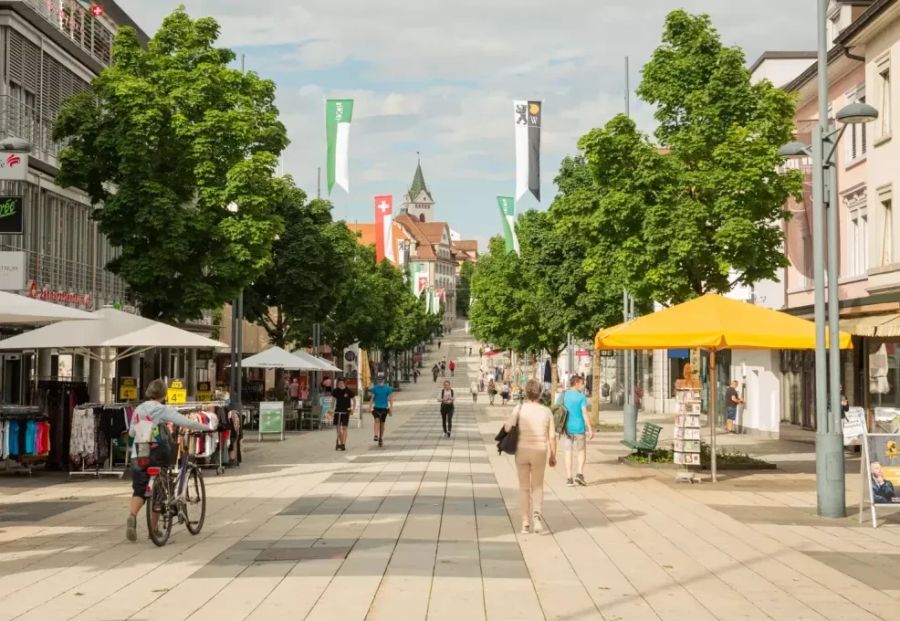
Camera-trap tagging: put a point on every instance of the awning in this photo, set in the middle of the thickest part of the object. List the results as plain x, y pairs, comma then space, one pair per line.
889, 328
869, 325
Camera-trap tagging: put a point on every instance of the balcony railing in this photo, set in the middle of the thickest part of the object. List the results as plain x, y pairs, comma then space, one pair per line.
23, 121
75, 21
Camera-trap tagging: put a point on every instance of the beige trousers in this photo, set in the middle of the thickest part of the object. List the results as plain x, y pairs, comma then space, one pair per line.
531, 464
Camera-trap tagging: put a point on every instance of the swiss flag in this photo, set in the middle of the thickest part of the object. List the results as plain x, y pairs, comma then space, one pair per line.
384, 242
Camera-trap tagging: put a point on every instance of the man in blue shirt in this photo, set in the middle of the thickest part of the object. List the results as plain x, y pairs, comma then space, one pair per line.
578, 429
382, 403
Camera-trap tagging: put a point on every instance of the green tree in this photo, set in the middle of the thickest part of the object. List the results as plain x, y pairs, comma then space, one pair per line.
165, 139
700, 209
309, 270
463, 289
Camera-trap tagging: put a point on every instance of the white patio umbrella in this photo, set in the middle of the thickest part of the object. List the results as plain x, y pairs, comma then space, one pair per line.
109, 328
321, 364
19, 309
278, 358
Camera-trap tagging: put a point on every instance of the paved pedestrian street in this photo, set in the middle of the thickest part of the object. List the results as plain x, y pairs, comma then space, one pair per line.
426, 528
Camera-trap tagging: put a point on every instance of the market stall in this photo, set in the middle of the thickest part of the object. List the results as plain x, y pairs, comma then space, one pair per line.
713, 323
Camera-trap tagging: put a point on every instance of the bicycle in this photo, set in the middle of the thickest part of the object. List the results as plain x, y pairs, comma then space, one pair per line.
176, 495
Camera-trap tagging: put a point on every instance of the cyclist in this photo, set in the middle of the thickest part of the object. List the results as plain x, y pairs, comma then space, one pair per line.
382, 403
150, 413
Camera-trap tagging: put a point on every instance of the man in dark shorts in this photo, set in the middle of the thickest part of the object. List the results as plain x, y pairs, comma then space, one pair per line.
382, 403
344, 402
732, 401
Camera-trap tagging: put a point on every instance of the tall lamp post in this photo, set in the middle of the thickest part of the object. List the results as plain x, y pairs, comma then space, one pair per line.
830, 484
237, 338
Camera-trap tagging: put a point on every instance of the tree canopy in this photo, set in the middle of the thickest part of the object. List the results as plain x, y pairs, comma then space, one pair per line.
700, 209
164, 139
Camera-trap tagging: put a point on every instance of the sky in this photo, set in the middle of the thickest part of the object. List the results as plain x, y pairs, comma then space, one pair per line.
438, 77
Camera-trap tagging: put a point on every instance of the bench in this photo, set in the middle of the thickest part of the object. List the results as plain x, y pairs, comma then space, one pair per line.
648, 441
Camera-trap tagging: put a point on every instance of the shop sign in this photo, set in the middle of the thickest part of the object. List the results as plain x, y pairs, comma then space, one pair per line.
854, 426
12, 271
128, 390
176, 394
12, 215
13, 166
350, 356
271, 418
204, 391
880, 471
583, 353
59, 297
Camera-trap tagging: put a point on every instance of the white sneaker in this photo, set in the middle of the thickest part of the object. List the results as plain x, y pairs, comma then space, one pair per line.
538, 523
526, 529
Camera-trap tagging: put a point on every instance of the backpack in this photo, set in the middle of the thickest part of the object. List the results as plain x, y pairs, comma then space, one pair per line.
154, 445
560, 417
508, 441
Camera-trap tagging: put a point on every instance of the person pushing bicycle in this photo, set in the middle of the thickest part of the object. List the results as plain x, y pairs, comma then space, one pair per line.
145, 428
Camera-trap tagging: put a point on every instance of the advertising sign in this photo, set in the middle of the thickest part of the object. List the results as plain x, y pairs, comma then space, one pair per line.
271, 418
13, 166
128, 390
880, 471
177, 393
854, 426
12, 271
12, 215
204, 391
58, 297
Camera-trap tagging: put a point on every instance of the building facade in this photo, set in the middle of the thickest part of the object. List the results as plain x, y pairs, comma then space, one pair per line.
49, 50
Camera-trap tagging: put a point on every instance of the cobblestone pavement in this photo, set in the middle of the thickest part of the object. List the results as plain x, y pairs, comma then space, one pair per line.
424, 528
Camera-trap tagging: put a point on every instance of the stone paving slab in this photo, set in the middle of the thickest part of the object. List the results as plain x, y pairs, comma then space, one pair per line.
426, 528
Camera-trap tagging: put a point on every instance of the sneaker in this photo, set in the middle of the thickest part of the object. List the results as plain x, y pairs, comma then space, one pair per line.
131, 528
337, 446
526, 529
380, 442
448, 434
343, 447
579, 478
375, 438
570, 482
538, 523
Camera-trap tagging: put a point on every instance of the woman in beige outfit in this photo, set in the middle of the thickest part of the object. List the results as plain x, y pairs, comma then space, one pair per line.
536, 439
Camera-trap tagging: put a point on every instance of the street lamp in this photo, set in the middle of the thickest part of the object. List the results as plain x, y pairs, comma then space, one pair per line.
831, 489
237, 338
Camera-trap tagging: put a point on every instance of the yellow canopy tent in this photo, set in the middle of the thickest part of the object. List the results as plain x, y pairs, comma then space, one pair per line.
713, 322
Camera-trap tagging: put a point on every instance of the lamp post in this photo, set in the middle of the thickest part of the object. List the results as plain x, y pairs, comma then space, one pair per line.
237, 338
830, 484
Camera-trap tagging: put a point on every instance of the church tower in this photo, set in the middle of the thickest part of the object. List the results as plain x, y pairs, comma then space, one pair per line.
418, 202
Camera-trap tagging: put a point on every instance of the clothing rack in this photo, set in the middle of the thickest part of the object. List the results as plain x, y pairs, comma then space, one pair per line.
219, 462
22, 412
108, 463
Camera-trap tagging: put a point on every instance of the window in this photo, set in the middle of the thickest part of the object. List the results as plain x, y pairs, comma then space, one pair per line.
856, 138
883, 80
887, 236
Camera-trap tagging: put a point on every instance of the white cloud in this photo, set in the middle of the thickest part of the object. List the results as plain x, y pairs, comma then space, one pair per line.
439, 77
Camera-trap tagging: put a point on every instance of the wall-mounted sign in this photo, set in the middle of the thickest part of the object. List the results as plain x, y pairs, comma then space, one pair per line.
60, 297
350, 356
12, 217
13, 166
12, 271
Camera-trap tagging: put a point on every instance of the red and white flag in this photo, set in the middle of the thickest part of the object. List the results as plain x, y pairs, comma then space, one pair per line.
384, 223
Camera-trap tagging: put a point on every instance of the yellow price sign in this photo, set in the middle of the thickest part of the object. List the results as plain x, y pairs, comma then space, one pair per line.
204, 391
128, 390
176, 394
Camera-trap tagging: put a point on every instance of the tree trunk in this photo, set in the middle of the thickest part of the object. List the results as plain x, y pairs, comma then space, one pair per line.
554, 374
595, 389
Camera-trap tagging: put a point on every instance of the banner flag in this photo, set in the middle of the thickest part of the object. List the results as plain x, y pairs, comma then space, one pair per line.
384, 228
508, 217
338, 113
527, 116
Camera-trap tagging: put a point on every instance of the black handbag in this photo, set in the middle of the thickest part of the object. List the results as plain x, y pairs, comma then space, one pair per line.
508, 441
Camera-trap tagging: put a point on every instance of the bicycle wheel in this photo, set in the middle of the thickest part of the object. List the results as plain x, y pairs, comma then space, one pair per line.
194, 501
160, 502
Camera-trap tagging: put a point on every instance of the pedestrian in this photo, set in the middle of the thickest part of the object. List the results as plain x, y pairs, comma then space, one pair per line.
536, 443
415, 375
492, 391
145, 425
294, 391
504, 393
382, 404
732, 401
845, 403
447, 406
344, 403
578, 431
470, 350
452, 368
473, 387
435, 371
439, 343
443, 369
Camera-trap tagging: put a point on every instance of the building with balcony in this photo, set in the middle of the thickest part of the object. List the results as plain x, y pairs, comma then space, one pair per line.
49, 50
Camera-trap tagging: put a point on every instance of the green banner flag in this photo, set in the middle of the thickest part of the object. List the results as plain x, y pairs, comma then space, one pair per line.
507, 207
338, 113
